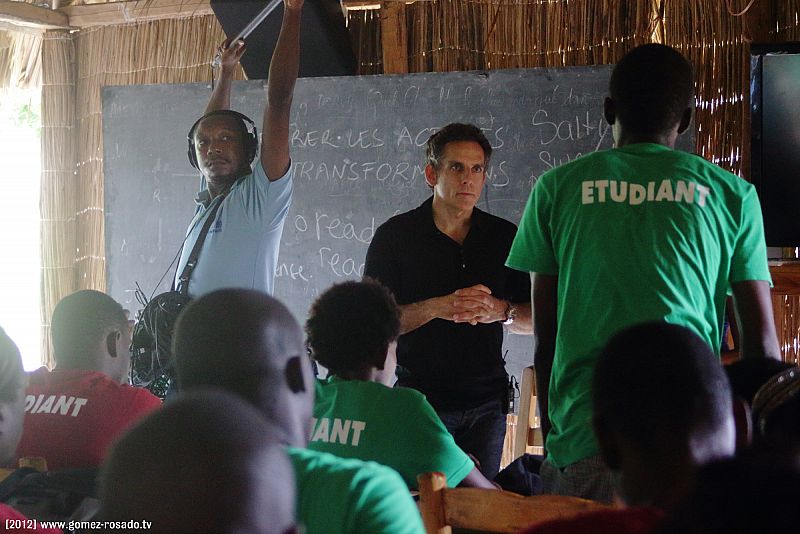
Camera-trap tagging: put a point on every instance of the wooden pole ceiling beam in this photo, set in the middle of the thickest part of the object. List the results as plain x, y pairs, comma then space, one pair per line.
29, 16
394, 38
372, 4
106, 14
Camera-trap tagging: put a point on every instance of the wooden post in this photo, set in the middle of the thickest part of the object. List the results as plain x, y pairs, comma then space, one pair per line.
394, 37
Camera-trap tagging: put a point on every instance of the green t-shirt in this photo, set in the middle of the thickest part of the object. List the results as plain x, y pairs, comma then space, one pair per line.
634, 234
350, 496
396, 427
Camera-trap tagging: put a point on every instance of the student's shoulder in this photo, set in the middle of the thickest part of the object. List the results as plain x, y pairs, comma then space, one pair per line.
409, 396
136, 398
722, 176
322, 466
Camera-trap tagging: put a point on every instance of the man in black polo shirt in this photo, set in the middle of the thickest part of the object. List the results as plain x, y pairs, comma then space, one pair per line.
444, 261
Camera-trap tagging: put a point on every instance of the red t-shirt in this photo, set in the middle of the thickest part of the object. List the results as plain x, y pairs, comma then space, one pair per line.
634, 520
72, 416
13, 521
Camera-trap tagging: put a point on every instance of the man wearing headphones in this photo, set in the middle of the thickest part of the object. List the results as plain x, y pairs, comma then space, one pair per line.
249, 205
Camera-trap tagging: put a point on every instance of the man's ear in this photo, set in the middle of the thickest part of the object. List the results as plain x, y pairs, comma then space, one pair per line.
430, 175
686, 120
294, 375
606, 440
111, 342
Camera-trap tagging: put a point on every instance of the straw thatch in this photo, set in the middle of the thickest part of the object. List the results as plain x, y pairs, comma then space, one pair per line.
364, 26
59, 185
496, 34
20, 59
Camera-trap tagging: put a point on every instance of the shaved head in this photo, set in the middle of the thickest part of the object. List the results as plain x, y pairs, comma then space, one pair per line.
662, 407
248, 343
205, 462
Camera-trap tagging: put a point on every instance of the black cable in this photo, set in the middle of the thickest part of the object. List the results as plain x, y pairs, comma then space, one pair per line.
151, 351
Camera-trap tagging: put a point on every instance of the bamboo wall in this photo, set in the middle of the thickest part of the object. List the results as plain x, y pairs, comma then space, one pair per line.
443, 35
59, 183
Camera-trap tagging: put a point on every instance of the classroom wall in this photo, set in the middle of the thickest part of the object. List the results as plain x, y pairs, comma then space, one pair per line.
440, 35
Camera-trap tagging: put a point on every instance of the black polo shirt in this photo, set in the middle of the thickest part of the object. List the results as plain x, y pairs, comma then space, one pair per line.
457, 366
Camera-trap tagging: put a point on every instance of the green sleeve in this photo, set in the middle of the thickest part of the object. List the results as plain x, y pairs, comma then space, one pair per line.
434, 448
749, 260
532, 249
383, 503
349, 496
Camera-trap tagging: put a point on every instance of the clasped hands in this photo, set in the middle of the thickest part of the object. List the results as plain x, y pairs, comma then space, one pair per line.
473, 305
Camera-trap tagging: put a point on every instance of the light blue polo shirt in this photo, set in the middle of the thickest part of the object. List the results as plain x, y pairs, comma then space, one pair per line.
241, 248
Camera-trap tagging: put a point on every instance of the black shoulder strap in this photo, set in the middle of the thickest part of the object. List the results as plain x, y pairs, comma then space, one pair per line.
191, 263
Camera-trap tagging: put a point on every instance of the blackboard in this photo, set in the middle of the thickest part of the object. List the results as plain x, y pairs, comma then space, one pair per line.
358, 157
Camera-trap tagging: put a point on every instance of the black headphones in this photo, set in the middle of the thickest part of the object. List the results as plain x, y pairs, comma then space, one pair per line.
249, 135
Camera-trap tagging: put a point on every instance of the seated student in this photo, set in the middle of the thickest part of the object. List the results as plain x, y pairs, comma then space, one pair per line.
12, 404
352, 330
203, 463
74, 412
248, 343
661, 411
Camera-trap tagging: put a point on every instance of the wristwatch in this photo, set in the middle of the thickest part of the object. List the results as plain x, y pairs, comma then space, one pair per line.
511, 313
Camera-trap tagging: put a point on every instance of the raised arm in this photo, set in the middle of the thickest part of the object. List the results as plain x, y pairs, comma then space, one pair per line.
753, 305
230, 54
283, 71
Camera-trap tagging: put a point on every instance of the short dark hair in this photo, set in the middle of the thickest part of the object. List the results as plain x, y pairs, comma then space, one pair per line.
352, 324
455, 131
161, 467
234, 339
655, 378
79, 321
651, 87
12, 375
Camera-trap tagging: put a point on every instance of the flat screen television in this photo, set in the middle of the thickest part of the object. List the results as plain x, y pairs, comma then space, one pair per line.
775, 139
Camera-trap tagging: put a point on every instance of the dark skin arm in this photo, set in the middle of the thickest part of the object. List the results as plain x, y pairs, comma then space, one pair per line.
230, 54
475, 479
753, 303
283, 71
544, 295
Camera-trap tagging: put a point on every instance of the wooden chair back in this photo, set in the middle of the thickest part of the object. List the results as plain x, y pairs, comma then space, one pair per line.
528, 437
444, 508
